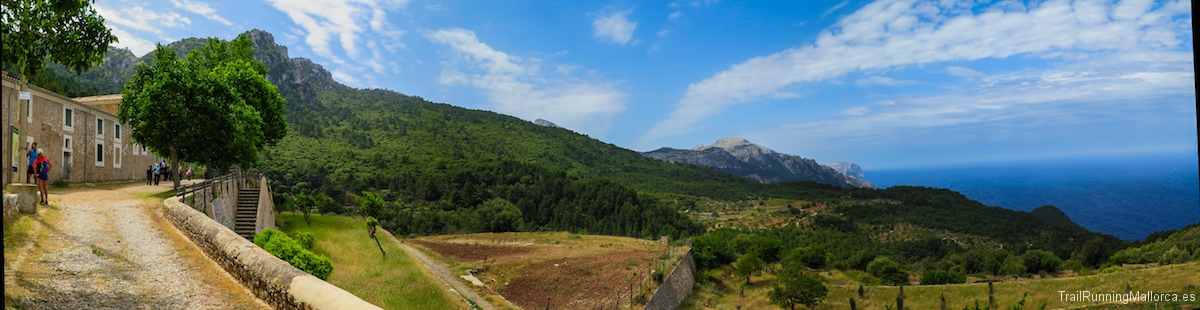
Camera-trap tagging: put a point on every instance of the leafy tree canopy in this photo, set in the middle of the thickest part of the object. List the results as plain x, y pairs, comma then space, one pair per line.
68, 32
214, 107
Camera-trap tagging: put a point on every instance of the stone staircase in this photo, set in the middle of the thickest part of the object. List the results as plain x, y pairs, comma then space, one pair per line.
247, 212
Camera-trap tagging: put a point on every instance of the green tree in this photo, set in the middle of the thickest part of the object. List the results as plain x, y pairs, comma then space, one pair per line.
172, 110
67, 32
215, 106
306, 203
888, 271
372, 223
749, 265
811, 257
369, 204
1094, 252
794, 287
500, 215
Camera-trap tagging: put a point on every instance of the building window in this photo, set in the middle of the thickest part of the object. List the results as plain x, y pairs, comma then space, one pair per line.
67, 143
99, 127
116, 132
29, 112
100, 153
68, 119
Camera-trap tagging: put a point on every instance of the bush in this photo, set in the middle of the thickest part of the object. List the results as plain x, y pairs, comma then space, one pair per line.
1111, 269
305, 239
1014, 265
888, 271
1174, 256
279, 244
933, 277
657, 276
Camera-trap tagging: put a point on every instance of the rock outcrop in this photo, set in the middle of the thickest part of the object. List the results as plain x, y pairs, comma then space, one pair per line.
741, 157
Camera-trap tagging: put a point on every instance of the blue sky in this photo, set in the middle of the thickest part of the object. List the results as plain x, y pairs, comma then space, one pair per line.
886, 84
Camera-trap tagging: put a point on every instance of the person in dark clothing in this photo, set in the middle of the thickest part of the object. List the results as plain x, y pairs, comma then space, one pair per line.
149, 175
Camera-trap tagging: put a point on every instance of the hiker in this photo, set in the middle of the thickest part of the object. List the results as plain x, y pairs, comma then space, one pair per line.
33, 154
43, 176
157, 174
189, 173
149, 175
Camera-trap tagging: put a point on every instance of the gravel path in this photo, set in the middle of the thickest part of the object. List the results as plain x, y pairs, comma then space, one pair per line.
443, 272
109, 249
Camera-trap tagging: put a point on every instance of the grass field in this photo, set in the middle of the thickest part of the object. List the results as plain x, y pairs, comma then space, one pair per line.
396, 282
1182, 280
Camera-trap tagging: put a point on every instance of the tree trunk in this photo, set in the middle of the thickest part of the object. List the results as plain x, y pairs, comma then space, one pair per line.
175, 166
379, 245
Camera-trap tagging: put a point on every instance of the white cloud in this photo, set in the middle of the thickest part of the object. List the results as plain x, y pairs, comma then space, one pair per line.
675, 15
895, 33
344, 22
138, 46
963, 71
663, 33
141, 19
515, 86
886, 81
614, 27
201, 9
835, 8
1102, 105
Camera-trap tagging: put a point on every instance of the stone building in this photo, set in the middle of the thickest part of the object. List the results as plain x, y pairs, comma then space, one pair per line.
81, 137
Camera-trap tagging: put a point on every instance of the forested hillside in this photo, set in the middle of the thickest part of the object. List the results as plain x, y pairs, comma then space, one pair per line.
434, 166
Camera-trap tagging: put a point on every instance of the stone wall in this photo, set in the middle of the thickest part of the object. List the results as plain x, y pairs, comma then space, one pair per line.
266, 207
218, 201
269, 278
676, 287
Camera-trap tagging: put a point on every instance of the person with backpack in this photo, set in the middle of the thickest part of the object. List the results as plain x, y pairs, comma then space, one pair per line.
157, 174
42, 165
32, 154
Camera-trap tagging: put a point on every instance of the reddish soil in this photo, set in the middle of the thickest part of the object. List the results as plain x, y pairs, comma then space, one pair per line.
468, 253
580, 283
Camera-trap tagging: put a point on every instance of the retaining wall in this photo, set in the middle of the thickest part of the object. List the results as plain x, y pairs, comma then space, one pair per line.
268, 277
676, 286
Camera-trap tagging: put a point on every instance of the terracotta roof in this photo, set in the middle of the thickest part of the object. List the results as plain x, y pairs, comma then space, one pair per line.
91, 99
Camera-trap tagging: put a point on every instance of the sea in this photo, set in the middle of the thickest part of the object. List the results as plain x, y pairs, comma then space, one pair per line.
1129, 197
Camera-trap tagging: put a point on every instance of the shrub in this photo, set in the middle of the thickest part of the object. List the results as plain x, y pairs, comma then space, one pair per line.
279, 244
932, 277
888, 271
1013, 265
305, 239
1174, 256
1111, 269
657, 276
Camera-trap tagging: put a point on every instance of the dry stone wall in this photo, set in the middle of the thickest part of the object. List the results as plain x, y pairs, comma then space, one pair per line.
269, 278
676, 286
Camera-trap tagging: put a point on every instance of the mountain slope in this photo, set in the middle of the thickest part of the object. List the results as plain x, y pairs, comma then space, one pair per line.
740, 157
434, 165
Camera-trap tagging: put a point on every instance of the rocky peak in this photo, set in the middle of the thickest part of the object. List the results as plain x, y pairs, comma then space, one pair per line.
542, 122
847, 168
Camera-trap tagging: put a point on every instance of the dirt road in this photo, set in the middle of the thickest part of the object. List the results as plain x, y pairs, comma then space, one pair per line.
443, 272
108, 247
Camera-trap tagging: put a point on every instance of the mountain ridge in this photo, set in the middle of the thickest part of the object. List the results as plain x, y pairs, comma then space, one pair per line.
744, 158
